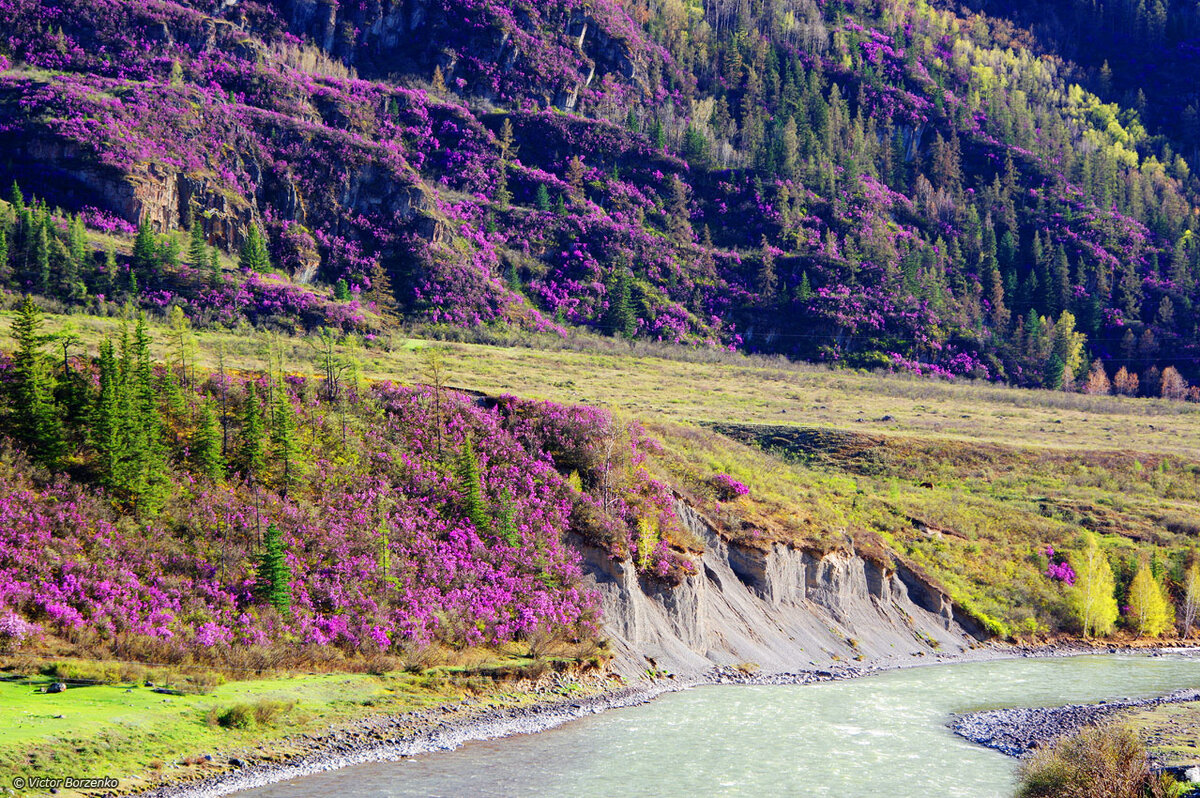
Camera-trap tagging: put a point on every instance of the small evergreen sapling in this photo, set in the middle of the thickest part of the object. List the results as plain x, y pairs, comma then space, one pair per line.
273, 582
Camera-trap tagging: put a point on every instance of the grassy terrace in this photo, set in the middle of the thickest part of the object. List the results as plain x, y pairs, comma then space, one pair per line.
696, 386
131, 723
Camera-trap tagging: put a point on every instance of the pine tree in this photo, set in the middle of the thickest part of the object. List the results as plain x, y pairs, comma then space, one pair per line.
251, 450
254, 257
471, 488
273, 580
37, 419
341, 290
542, 198
1092, 594
1150, 611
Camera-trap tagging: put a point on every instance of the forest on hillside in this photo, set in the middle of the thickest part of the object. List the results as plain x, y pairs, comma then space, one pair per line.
887, 184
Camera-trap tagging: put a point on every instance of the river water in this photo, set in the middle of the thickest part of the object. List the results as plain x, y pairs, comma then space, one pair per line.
881, 735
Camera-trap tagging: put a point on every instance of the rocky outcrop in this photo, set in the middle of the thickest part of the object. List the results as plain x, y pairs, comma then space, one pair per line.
777, 608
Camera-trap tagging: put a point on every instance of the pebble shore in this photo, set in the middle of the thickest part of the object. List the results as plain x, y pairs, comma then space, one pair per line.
1019, 731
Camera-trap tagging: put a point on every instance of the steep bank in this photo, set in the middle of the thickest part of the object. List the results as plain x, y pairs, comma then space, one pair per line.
777, 609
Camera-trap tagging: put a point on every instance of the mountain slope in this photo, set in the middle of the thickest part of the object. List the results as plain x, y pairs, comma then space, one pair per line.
877, 184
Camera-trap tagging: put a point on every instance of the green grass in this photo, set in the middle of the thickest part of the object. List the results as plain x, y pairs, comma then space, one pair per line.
1171, 732
139, 736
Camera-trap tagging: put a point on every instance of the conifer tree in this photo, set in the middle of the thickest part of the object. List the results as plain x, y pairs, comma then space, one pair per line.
767, 280
620, 319
1191, 595
145, 474
542, 198
37, 419
1092, 594
1150, 611
145, 252
254, 257
273, 579
206, 444
5, 272
283, 439
197, 254
251, 450
471, 488
105, 431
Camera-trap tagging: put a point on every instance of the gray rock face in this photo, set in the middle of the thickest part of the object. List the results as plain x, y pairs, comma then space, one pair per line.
779, 609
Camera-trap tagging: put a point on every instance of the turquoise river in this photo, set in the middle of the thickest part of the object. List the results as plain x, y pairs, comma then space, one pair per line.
883, 736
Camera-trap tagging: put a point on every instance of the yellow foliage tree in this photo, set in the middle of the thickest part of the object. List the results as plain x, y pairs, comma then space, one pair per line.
1092, 594
1151, 612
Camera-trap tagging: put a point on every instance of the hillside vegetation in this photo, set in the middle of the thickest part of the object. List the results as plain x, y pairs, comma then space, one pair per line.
888, 184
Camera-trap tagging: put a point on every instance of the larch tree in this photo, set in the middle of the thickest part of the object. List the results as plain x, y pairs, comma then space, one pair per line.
1150, 611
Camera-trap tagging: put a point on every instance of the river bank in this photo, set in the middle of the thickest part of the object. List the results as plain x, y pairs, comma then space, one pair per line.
556, 701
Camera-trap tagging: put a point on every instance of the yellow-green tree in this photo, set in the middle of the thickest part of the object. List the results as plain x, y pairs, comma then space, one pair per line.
1092, 594
1150, 611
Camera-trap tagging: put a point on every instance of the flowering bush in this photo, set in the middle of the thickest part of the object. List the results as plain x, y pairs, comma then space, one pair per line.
1060, 571
728, 488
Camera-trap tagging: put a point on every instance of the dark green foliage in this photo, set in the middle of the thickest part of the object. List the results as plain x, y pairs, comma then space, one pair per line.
620, 319
505, 522
206, 444
254, 257
145, 253
36, 417
542, 198
273, 577
251, 452
197, 254
341, 291
471, 489
283, 440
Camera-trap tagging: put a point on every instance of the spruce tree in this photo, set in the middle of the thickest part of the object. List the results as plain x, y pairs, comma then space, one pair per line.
274, 577
5, 272
470, 487
542, 198
283, 440
206, 444
620, 319
254, 257
251, 450
105, 432
37, 419
197, 254
145, 253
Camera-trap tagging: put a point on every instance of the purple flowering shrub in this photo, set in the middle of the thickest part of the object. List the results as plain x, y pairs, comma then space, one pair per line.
618, 506
1060, 571
727, 488
381, 553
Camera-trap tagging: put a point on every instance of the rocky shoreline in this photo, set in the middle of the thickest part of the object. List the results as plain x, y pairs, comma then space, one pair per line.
1018, 731
387, 738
